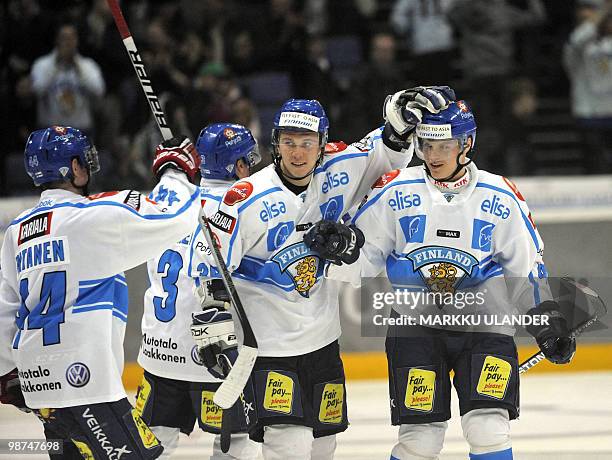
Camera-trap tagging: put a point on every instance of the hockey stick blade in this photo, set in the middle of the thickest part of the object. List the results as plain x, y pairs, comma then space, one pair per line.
598, 306
233, 385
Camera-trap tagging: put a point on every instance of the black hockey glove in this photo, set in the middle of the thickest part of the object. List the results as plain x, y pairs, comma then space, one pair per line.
554, 339
404, 109
336, 242
10, 391
213, 329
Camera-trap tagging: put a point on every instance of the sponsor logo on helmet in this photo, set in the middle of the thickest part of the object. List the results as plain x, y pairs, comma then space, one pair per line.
229, 133
237, 193
64, 171
386, 178
59, 130
78, 375
434, 131
299, 120
462, 106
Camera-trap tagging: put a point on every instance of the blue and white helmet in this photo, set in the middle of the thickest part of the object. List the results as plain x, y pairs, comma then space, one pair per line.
301, 115
455, 122
221, 145
49, 153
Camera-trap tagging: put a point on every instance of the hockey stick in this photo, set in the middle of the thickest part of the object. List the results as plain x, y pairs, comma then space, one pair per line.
594, 301
232, 386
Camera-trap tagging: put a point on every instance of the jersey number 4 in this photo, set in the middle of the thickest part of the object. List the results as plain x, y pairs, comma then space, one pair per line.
48, 313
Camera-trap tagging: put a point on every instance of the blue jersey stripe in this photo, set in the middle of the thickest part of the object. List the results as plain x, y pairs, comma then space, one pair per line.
536, 289
525, 219
385, 188
346, 156
183, 208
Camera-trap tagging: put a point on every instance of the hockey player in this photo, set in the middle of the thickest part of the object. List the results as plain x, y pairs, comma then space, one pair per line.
444, 227
177, 389
63, 295
298, 378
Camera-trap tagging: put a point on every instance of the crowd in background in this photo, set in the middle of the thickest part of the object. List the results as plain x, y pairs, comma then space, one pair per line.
537, 73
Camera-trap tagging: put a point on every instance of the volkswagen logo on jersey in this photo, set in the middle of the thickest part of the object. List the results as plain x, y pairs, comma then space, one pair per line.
301, 264
77, 375
195, 356
442, 268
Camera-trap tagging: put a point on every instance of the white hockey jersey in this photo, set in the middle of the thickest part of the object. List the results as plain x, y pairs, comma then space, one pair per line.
260, 226
63, 296
429, 241
168, 349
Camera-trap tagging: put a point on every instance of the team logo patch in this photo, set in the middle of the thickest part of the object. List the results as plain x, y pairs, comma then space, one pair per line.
301, 264
332, 401
442, 268
211, 414
278, 235
332, 208
97, 196
279, 393
238, 192
34, 227
146, 435
334, 147
133, 199
386, 178
421, 390
413, 228
494, 377
482, 235
78, 375
64, 171
223, 221
144, 390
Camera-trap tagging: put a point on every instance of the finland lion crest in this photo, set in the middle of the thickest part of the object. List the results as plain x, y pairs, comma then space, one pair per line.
302, 265
442, 269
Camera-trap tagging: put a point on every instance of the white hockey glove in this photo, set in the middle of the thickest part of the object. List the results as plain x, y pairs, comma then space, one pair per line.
213, 330
404, 109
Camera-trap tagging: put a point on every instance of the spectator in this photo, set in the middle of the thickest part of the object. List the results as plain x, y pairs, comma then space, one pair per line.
379, 77
429, 37
588, 63
66, 84
486, 40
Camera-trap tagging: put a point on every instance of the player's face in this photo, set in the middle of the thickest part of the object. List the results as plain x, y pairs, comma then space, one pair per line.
440, 156
299, 152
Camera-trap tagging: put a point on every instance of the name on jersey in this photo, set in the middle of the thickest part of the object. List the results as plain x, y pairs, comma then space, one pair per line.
334, 180
270, 211
53, 251
495, 207
35, 226
400, 201
223, 221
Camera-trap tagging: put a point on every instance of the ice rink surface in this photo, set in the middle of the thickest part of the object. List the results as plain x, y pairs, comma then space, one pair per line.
563, 416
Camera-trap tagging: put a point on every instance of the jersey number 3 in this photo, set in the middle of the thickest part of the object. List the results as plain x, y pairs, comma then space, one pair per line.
170, 263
